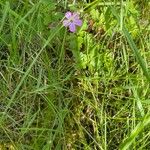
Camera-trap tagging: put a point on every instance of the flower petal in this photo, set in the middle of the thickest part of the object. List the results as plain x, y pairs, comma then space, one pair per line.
66, 23
75, 15
72, 27
68, 15
78, 22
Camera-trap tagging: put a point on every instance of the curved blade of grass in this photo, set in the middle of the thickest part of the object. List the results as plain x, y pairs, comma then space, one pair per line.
125, 145
5, 12
137, 54
133, 47
127, 142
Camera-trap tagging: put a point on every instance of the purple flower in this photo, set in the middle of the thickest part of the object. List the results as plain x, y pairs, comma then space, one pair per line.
72, 21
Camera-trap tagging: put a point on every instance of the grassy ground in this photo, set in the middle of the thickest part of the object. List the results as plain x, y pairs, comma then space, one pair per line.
86, 90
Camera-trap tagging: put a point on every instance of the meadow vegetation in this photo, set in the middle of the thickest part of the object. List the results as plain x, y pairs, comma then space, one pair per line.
85, 90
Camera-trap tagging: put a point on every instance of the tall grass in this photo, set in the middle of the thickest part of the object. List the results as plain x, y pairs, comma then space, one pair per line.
84, 90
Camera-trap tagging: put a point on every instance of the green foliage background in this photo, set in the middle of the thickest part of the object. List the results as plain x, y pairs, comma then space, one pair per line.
84, 90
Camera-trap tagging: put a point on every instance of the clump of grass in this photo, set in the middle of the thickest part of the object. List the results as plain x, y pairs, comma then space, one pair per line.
84, 90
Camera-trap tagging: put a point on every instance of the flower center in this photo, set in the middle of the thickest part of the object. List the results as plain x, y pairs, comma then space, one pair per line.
71, 19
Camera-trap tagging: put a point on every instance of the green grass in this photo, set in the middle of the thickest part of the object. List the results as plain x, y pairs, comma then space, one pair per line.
85, 90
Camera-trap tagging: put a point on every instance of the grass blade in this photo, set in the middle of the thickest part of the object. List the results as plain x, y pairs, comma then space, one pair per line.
133, 47
125, 145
